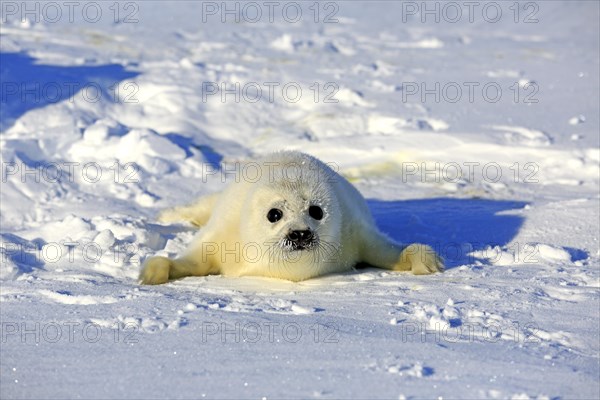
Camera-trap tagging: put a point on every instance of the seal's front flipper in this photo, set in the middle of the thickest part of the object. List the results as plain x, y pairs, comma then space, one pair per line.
155, 271
159, 270
419, 259
381, 252
196, 213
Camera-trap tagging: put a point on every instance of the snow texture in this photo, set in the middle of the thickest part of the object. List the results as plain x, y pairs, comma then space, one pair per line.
471, 128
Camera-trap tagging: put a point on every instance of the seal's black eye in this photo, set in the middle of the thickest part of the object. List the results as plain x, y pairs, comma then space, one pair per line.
316, 212
274, 215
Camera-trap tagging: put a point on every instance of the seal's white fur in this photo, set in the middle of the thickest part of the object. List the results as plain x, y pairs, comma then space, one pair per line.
236, 238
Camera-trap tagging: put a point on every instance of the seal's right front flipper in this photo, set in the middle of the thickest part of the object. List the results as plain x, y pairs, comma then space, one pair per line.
157, 270
196, 213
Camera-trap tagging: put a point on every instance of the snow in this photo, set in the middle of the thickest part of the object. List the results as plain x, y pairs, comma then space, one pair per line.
477, 134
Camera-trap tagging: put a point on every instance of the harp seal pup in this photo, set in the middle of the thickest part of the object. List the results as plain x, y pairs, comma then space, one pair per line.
295, 218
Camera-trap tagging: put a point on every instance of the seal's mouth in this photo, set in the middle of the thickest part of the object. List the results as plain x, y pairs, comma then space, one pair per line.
303, 246
300, 246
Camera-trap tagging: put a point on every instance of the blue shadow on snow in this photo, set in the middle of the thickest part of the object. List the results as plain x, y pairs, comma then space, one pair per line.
27, 85
212, 157
454, 227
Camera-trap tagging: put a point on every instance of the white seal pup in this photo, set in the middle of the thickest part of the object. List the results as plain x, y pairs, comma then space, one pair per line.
294, 219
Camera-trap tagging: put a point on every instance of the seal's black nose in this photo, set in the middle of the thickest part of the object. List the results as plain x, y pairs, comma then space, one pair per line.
300, 238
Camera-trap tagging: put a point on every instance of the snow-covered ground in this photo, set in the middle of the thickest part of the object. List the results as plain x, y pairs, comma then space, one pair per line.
470, 126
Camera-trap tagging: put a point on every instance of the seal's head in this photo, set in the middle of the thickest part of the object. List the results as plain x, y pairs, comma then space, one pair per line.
294, 217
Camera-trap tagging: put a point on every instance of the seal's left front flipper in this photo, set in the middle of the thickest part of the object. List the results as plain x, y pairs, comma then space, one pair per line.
419, 259
379, 251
